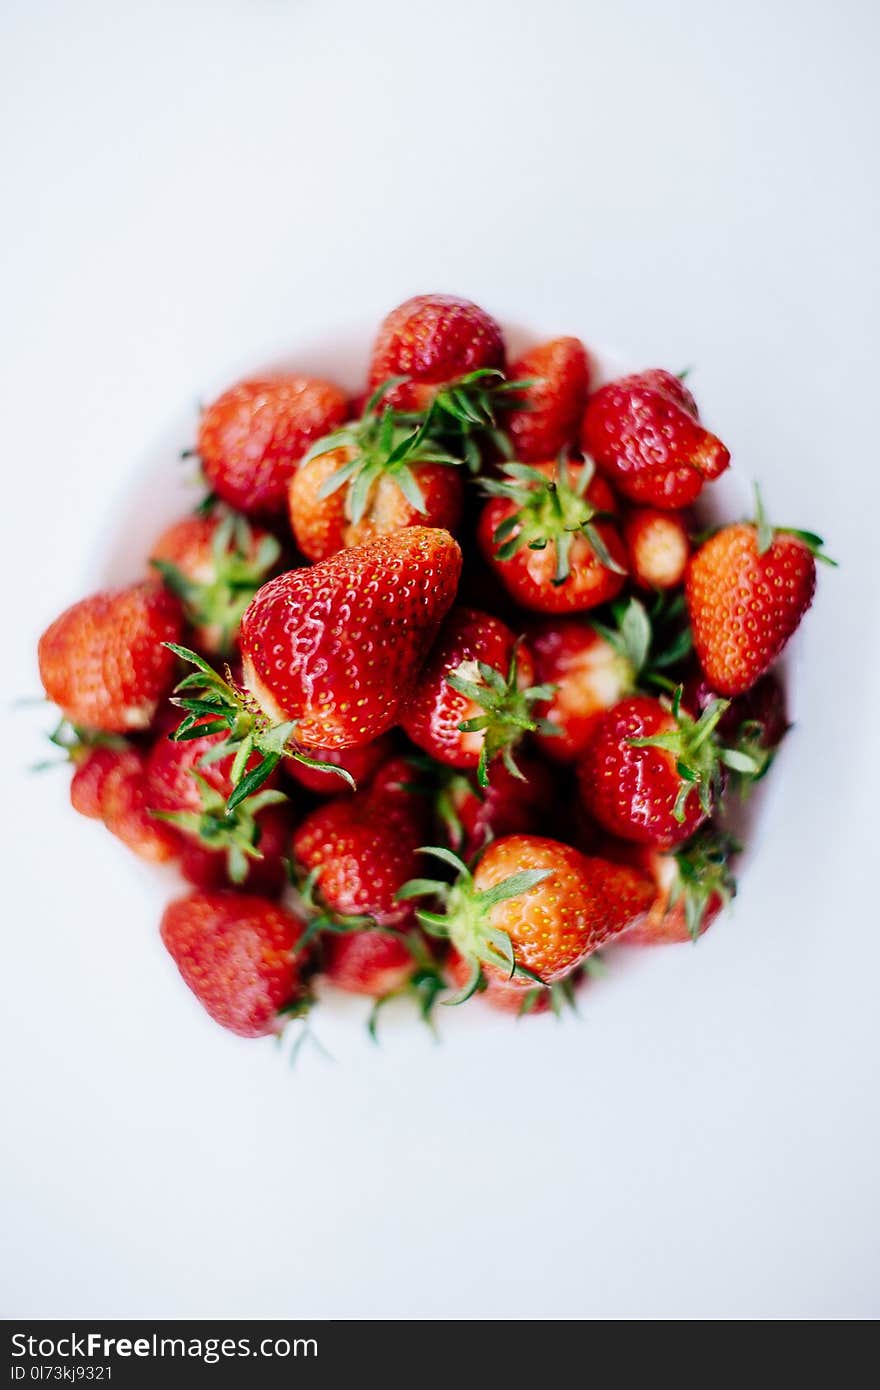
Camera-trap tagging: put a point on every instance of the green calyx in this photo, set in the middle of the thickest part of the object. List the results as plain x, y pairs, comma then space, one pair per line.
507, 711
766, 533
703, 872
239, 568
74, 743
699, 757
384, 443
214, 704
466, 919
235, 832
467, 411
548, 510
649, 641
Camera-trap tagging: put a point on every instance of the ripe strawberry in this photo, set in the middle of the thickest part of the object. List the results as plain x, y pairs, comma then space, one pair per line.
237, 953
354, 853
589, 675
103, 663
433, 339
755, 724
253, 436
373, 962
658, 547
108, 785
748, 587
533, 907
331, 653
210, 866
545, 415
693, 883
644, 432
471, 815
214, 564
473, 699
360, 762
544, 531
652, 773
369, 479
188, 786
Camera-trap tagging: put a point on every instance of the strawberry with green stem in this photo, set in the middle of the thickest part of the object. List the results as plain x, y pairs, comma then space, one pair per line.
330, 654
533, 908
694, 883
652, 773
215, 563
474, 698
548, 531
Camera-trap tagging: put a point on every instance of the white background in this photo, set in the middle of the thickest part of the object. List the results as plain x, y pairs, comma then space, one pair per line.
193, 189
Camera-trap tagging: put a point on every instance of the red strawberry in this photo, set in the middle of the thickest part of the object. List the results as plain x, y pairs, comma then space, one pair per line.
658, 547
433, 339
356, 852
544, 534
473, 699
473, 815
589, 675
103, 663
652, 773
546, 415
756, 722
644, 432
328, 515
253, 436
533, 907
748, 587
693, 883
331, 653
108, 785
360, 762
208, 867
214, 564
188, 786
237, 953
377, 963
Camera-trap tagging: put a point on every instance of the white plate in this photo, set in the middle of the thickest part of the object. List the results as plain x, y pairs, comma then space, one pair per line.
203, 189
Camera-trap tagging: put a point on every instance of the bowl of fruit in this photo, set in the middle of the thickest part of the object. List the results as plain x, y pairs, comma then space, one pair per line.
448, 685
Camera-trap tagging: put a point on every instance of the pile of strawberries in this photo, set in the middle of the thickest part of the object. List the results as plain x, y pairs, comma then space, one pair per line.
458, 695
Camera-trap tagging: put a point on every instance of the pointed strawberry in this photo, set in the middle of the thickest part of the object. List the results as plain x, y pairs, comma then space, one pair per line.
330, 653
544, 417
645, 435
748, 587
103, 662
240, 956
214, 564
254, 435
433, 340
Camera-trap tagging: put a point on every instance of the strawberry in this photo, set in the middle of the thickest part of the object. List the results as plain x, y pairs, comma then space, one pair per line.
374, 962
588, 673
693, 883
354, 853
103, 663
432, 340
545, 415
747, 588
644, 433
331, 653
238, 954
471, 815
360, 762
373, 477
658, 546
108, 785
652, 773
545, 533
756, 722
211, 866
473, 699
533, 908
253, 436
214, 564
